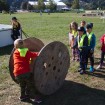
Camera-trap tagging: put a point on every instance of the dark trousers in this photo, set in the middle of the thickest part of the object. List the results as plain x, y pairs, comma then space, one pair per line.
15, 35
83, 58
26, 84
102, 57
91, 57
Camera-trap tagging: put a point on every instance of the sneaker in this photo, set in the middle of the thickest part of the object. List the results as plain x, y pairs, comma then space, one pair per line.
37, 100
91, 69
82, 72
79, 69
99, 67
22, 98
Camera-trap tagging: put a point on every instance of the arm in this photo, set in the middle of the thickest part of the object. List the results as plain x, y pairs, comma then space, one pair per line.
93, 42
32, 54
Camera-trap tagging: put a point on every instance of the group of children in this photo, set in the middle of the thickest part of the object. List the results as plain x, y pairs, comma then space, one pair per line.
82, 41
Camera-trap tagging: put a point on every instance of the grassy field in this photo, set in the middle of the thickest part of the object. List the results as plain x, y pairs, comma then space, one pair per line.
88, 89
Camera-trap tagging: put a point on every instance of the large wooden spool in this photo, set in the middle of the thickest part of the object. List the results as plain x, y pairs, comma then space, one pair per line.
33, 44
51, 67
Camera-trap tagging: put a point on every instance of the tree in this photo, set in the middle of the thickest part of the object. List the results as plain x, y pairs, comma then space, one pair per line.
52, 5
68, 2
75, 4
41, 5
24, 5
4, 5
29, 7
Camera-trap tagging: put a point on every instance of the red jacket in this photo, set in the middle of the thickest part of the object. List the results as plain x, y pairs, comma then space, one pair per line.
102, 40
21, 64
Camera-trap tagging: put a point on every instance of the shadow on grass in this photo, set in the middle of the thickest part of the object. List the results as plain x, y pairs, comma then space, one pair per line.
6, 50
73, 93
98, 73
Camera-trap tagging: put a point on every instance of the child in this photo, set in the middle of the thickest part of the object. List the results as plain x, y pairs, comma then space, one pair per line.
72, 36
22, 70
102, 40
83, 48
16, 29
91, 46
83, 23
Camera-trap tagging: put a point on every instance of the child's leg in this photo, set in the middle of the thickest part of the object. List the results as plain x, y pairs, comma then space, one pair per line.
102, 57
22, 85
73, 54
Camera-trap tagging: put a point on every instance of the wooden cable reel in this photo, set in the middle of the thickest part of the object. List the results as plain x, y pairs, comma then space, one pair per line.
51, 67
33, 44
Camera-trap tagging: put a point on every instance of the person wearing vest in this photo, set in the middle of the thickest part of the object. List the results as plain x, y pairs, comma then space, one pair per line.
16, 29
83, 48
72, 38
102, 40
91, 45
22, 72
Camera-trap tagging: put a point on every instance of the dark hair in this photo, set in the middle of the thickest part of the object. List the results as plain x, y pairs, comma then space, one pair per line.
83, 21
91, 24
14, 18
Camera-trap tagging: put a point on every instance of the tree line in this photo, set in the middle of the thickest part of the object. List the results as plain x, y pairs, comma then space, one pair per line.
75, 4
86, 4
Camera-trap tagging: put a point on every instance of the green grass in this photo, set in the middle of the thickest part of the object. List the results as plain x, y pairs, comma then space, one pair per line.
78, 89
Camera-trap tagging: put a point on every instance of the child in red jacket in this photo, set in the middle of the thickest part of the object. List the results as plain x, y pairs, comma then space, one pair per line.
102, 40
22, 70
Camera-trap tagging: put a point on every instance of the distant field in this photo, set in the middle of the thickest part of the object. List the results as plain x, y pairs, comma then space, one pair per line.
87, 89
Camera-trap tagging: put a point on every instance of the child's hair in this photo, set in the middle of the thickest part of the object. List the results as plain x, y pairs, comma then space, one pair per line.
75, 24
18, 43
83, 21
14, 18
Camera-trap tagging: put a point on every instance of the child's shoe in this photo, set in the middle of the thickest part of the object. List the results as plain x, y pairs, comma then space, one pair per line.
82, 72
37, 100
99, 67
79, 69
22, 98
91, 69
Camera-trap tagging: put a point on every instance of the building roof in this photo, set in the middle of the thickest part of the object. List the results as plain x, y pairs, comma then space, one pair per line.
46, 3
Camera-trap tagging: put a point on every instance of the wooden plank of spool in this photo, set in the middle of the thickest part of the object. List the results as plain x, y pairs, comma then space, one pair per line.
51, 67
33, 44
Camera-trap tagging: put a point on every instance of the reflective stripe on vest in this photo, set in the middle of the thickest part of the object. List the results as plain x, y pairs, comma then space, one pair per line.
90, 37
80, 43
23, 51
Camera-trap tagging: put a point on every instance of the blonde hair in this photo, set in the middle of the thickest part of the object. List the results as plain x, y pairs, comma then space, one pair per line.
18, 43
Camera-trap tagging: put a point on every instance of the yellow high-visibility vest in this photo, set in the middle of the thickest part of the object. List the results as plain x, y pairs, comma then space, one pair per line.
89, 38
80, 43
22, 51
74, 33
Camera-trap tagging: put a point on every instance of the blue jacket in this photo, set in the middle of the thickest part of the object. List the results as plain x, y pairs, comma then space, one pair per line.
92, 42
